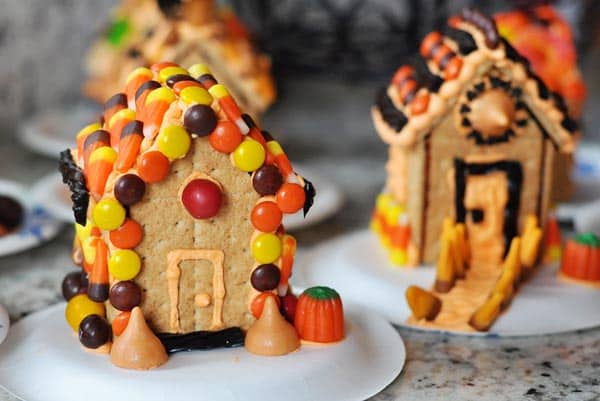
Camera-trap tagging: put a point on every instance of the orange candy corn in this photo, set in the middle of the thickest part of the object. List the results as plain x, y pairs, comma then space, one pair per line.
129, 145
98, 281
93, 141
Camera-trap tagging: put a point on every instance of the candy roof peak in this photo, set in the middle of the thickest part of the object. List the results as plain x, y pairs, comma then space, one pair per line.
425, 90
153, 122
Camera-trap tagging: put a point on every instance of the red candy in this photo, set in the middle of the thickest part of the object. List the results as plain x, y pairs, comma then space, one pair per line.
153, 166
202, 198
226, 137
290, 198
288, 307
266, 216
127, 236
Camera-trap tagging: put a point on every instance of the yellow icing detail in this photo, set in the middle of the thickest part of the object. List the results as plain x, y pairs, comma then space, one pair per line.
139, 71
163, 93
88, 129
104, 153
123, 114
197, 70
275, 148
195, 94
218, 91
167, 72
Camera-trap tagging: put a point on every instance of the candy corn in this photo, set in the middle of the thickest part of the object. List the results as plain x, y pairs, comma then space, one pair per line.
92, 142
119, 120
98, 286
134, 80
129, 145
287, 262
113, 105
230, 108
155, 106
100, 166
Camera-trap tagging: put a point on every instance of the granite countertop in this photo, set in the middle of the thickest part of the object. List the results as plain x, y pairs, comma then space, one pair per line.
341, 144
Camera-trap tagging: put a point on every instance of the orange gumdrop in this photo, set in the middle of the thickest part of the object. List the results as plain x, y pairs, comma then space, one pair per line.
290, 198
153, 166
259, 302
266, 217
127, 236
226, 137
119, 323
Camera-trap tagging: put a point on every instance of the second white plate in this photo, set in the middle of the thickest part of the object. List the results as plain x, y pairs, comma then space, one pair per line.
357, 266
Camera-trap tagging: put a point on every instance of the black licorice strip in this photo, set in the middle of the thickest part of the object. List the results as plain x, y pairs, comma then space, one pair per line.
310, 193
74, 178
391, 115
202, 340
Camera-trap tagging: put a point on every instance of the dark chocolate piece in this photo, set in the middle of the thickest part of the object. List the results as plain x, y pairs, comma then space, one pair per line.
11, 212
310, 193
267, 180
94, 331
129, 189
72, 285
463, 39
391, 115
125, 295
265, 277
200, 119
148, 85
202, 340
74, 178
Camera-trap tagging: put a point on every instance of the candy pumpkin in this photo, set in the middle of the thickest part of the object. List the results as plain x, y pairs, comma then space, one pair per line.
581, 258
320, 315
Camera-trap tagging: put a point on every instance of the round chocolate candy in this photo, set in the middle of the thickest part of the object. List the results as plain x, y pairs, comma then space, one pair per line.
129, 189
72, 285
267, 180
200, 119
94, 331
265, 277
125, 295
11, 212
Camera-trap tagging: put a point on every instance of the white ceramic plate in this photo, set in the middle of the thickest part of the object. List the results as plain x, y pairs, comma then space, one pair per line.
357, 266
56, 198
42, 360
37, 227
53, 130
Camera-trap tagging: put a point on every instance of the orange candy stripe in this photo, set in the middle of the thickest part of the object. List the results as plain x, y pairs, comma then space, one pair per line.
258, 303
119, 323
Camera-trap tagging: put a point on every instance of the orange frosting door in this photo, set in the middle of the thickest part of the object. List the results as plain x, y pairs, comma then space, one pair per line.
196, 289
486, 196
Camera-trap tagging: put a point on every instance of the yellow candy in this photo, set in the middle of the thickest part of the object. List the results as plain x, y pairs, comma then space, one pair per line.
82, 232
88, 129
266, 248
108, 214
163, 93
398, 257
195, 95
174, 141
218, 91
167, 72
275, 148
79, 307
124, 264
197, 70
124, 114
105, 153
249, 155
139, 71
88, 247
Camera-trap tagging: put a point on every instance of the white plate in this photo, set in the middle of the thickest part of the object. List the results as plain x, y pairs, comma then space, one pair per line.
56, 198
357, 266
37, 227
42, 360
53, 130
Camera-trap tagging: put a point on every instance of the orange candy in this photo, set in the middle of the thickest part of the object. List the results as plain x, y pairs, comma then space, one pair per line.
119, 323
320, 315
259, 303
127, 236
153, 166
226, 137
266, 216
290, 198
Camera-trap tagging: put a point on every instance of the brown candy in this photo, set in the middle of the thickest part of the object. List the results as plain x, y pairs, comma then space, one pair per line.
72, 285
125, 295
423, 304
267, 180
129, 189
200, 119
265, 277
94, 331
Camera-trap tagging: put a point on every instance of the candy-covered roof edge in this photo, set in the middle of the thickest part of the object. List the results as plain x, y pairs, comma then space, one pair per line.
423, 91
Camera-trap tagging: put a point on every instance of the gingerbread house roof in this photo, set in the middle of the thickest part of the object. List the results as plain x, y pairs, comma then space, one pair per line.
425, 90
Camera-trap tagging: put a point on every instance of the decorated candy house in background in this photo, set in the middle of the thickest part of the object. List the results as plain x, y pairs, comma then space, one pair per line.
179, 199
144, 32
472, 134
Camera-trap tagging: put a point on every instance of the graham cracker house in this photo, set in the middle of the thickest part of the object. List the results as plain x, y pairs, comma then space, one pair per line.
472, 134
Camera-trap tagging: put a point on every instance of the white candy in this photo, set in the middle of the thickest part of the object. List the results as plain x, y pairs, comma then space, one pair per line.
4, 324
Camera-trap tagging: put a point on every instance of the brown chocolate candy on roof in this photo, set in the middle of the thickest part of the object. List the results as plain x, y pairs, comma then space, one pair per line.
200, 119
267, 180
